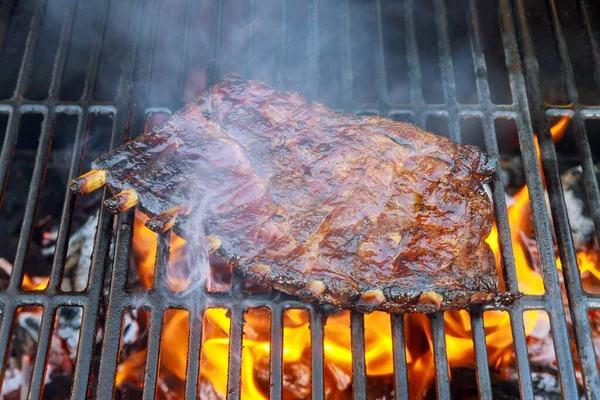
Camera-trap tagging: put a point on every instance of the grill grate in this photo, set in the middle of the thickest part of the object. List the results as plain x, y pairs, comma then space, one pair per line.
130, 108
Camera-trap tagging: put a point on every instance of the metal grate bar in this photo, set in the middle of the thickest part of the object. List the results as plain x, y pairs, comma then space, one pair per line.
152, 356
32, 201
216, 28
566, 248
157, 312
87, 336
115, 307
576, 296
538, 207
38, 298
315, 314
583, 145
447, 69
414, 69
380, 75
520, 344
30, 47
193, 358
359, 371
160, 284
504, 235
398, 347
104, 229
235, 353
185, 17
491, 147
484, 384
546, 252
8, 314
438, 336
249, 38
53, 92
346, 58
509, 269
276, 353
316, 347
593, 303
584, 9
41, 357
384, 109
143, 70
10, 138
114, 312
62, 239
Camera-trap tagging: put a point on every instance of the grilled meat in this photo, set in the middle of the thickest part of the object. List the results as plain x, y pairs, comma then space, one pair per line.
354, 211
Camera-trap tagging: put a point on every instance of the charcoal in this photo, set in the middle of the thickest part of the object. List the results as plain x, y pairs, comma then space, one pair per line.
578, 207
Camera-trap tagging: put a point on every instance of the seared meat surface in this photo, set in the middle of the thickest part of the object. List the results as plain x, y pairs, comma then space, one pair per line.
354, 211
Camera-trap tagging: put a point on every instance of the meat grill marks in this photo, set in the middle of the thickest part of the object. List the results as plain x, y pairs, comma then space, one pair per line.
354, 211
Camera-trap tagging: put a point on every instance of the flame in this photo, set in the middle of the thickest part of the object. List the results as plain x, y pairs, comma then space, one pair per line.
530, 282
214, 361
588, 261
145, 244
32, 284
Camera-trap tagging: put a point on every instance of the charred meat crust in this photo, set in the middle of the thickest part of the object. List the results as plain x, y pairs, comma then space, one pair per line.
356, 212
398, 299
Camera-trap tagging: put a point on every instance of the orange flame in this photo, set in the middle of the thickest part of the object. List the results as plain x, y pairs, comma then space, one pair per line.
214, 361
145, 244
588, 261
32, 284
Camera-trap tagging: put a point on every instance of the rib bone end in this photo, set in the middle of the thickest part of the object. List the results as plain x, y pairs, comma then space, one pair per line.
261, 270
214, 242
371, 298
165, 221
122, 201
481, 298
88, 182
316, 287
430, 301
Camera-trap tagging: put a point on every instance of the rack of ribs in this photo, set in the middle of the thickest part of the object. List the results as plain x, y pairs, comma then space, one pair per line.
358, 212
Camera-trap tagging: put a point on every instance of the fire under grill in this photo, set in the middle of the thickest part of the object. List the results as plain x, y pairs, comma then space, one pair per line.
90, 69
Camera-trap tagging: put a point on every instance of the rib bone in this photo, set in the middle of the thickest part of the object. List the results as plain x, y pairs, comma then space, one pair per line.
122, 201
371, 299
430, 301
260, 270
481, 298
214, 242
88, 182
316, 287
167, 219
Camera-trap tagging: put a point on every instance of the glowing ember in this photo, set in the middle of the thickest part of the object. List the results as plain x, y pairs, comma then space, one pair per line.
338, 356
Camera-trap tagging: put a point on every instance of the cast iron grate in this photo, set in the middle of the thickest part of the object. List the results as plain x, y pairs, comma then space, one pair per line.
129, 109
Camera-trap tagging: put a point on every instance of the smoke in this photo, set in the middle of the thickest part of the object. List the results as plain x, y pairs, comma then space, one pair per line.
332, 51
197, 264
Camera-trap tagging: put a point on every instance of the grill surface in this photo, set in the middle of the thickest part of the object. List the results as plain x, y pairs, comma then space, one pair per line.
130, 107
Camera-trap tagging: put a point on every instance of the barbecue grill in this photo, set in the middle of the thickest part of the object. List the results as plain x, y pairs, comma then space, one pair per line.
131, 98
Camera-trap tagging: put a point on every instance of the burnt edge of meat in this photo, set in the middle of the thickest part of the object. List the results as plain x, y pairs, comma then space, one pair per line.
468, 290
402, 300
